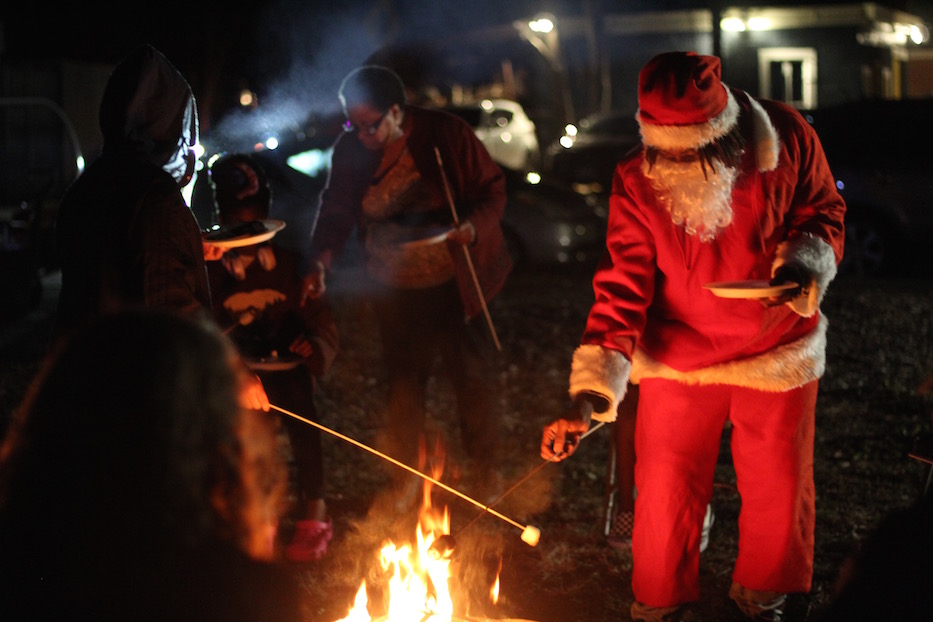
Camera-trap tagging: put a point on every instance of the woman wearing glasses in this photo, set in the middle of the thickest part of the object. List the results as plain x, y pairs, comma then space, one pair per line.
390, 174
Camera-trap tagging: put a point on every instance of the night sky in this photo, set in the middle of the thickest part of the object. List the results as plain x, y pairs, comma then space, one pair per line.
293, 53
272, 47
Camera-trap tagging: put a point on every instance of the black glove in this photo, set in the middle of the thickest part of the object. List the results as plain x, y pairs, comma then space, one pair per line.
788, 273
791, 273
561, 437
585, 404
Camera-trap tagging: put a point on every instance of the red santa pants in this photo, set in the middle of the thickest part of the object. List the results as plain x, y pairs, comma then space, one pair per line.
677, 439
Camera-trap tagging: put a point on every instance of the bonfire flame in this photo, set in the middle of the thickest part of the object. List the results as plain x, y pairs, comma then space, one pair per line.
418, 584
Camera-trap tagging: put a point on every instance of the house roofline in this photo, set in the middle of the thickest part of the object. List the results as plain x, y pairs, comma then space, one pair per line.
867, 15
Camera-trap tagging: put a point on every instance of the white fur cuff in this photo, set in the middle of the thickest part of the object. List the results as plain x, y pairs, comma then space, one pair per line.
784, 368
602, 371
694, 136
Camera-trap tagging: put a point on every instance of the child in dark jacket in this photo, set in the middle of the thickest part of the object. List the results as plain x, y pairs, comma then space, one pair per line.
256, 297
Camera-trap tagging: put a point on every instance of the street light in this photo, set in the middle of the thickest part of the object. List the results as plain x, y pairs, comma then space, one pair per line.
541, 32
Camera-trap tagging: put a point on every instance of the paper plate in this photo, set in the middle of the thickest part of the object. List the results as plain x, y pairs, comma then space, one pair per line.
759, 288
434, 236
245, 234
274, 363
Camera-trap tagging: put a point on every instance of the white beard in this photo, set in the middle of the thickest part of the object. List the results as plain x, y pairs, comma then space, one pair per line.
701, 204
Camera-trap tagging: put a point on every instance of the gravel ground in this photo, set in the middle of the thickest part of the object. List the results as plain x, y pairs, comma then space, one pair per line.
869, 413
867, 418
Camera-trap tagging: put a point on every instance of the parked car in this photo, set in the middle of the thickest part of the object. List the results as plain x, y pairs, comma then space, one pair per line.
40, 156
586, 155
879, 153
504, 128
545, 223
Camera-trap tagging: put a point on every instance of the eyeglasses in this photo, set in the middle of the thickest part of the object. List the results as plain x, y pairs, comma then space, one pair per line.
367, 128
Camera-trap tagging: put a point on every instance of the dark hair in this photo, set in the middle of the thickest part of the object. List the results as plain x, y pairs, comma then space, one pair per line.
239, 182
728, 149
373, 85
129, 442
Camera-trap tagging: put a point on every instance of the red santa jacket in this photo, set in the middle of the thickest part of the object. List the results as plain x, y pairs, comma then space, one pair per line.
652, 317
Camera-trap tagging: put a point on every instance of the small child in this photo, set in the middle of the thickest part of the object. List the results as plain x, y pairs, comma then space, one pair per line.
256, 298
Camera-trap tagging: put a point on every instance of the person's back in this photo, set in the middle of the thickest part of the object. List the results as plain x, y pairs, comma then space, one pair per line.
124, 234
133, 485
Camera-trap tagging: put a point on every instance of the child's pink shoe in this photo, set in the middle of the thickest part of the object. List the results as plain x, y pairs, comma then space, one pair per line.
310, 540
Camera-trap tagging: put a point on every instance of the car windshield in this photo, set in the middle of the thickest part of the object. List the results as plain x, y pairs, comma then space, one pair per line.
470, 115
500, 118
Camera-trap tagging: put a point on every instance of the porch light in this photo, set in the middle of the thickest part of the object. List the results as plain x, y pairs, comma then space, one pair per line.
247, 98
543, 25
737, 24
732, 24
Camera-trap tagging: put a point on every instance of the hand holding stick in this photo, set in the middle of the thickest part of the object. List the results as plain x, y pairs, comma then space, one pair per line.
466, 253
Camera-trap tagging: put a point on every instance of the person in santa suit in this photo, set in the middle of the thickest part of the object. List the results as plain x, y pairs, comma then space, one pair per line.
726, 187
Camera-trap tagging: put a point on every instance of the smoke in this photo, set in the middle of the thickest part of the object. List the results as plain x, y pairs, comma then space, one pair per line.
300, 55
301, 51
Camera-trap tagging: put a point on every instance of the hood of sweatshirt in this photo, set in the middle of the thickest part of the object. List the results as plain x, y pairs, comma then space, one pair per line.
148, 111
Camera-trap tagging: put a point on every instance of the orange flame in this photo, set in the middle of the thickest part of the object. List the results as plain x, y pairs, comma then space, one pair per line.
418, 586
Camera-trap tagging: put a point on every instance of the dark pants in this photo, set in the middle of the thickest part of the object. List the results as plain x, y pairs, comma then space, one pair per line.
293, 390
417, 326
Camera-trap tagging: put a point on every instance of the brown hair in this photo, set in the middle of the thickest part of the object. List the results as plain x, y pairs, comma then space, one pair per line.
133, 430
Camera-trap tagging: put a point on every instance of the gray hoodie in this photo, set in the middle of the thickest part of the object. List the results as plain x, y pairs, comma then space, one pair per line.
124, 233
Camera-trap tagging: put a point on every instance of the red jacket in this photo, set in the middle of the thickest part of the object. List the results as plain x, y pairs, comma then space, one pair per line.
651, 309
476, 183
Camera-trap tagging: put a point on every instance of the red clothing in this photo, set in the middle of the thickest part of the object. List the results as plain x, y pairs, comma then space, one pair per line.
476, 183
677, 445
649, 285
703, 360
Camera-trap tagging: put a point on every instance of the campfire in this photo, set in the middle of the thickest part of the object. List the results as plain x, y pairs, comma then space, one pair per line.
416, 581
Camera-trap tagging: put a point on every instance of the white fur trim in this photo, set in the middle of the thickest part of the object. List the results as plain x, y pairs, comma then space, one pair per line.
767, 144
782, 369
602, 371
816, 257
681, 137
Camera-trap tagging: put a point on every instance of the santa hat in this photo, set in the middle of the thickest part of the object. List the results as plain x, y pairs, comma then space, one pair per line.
682, 102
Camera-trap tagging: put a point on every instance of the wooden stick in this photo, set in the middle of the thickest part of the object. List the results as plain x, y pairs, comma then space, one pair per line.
466, 253
403, 465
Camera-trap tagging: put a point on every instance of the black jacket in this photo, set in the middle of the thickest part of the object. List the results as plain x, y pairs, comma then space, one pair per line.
124, 234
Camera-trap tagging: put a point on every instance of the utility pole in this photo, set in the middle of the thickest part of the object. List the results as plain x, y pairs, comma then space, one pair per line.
716, 9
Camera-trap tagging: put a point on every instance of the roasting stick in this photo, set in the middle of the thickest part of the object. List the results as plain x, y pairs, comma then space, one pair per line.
466, 253
530, 533
444, 545
535, 470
